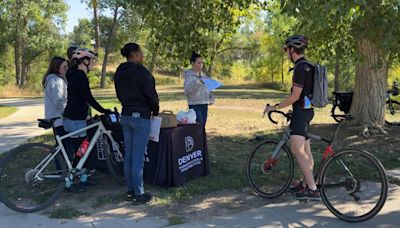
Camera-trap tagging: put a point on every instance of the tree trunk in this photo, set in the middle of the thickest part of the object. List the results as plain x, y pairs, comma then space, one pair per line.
24, 73
108, 45
337, 73
96, 26
272, 76
17, 62
368, 106
22, 44
153, 60
213, 55
17, 49
282, 74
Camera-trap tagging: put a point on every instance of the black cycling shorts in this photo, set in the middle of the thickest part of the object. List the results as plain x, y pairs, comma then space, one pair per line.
300, 123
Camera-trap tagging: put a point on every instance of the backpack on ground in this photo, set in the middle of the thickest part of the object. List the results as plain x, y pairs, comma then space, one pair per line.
319, 96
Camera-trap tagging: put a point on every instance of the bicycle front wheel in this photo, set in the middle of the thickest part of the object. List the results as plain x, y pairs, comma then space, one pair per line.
353, 185
392, 113
23, 187
270, 176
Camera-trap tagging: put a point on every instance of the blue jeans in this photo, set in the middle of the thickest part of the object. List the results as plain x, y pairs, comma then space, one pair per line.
74, 125
136, 135
201, 113
72, 143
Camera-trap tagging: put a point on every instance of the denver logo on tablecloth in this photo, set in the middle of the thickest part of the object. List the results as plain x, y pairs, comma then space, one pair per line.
192, 159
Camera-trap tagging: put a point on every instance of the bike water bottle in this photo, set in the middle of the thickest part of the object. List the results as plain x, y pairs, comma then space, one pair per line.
82, 148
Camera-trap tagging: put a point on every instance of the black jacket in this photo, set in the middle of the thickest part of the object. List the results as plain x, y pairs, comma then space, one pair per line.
79, 96
135, 88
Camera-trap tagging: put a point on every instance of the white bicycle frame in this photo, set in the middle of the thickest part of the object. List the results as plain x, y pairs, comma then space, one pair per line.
99, 132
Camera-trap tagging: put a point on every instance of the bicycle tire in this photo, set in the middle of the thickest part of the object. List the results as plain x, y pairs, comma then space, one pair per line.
114, 167
19, 190
337, 114
367, 174
275, 180
392, 113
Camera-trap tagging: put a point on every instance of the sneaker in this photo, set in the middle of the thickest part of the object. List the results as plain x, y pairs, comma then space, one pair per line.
141, 199
76, 188
296, 186
129, 196
308, 194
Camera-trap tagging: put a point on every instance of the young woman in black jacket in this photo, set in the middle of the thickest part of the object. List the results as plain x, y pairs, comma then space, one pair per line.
135, 89
79, 98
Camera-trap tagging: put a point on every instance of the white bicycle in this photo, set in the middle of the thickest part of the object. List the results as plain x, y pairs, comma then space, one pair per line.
34, 175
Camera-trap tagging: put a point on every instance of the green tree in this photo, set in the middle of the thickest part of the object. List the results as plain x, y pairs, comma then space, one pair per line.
83, 34
34, 29
369, 28
179, 27
95, 5
116, 6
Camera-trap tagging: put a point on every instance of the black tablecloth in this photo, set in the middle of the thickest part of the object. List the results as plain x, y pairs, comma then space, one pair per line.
180, 156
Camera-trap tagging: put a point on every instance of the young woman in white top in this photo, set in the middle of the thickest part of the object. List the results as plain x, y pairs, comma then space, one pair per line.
55, 90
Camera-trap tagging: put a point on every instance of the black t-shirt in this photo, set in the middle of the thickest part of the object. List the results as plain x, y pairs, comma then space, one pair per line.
303, 77
79, 97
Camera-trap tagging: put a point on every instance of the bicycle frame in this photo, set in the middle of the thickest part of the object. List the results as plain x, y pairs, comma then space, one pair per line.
328, 152
99, 132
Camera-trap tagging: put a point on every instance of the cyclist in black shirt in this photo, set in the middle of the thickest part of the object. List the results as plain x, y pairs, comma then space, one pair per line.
303, 113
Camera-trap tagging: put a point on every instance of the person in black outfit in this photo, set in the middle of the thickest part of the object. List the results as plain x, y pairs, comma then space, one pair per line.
303, 113
135, 89
79, 97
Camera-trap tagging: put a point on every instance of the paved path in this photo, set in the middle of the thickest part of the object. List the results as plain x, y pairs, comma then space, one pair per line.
295, 214
21, 125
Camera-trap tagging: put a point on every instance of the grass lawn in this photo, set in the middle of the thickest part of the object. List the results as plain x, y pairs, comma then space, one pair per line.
6, 111
234, 121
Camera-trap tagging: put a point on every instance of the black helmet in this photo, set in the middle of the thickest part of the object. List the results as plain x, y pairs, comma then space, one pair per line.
296, 41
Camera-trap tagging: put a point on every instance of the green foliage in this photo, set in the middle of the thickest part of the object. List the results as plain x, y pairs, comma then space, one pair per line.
83, 33
32, 33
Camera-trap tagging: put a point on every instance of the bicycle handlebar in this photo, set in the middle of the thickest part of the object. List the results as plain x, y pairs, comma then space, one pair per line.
287, 115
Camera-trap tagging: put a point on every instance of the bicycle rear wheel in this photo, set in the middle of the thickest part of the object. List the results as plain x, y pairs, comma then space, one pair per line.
353, 185
114, 161
270, 177
20, 189
392, 113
